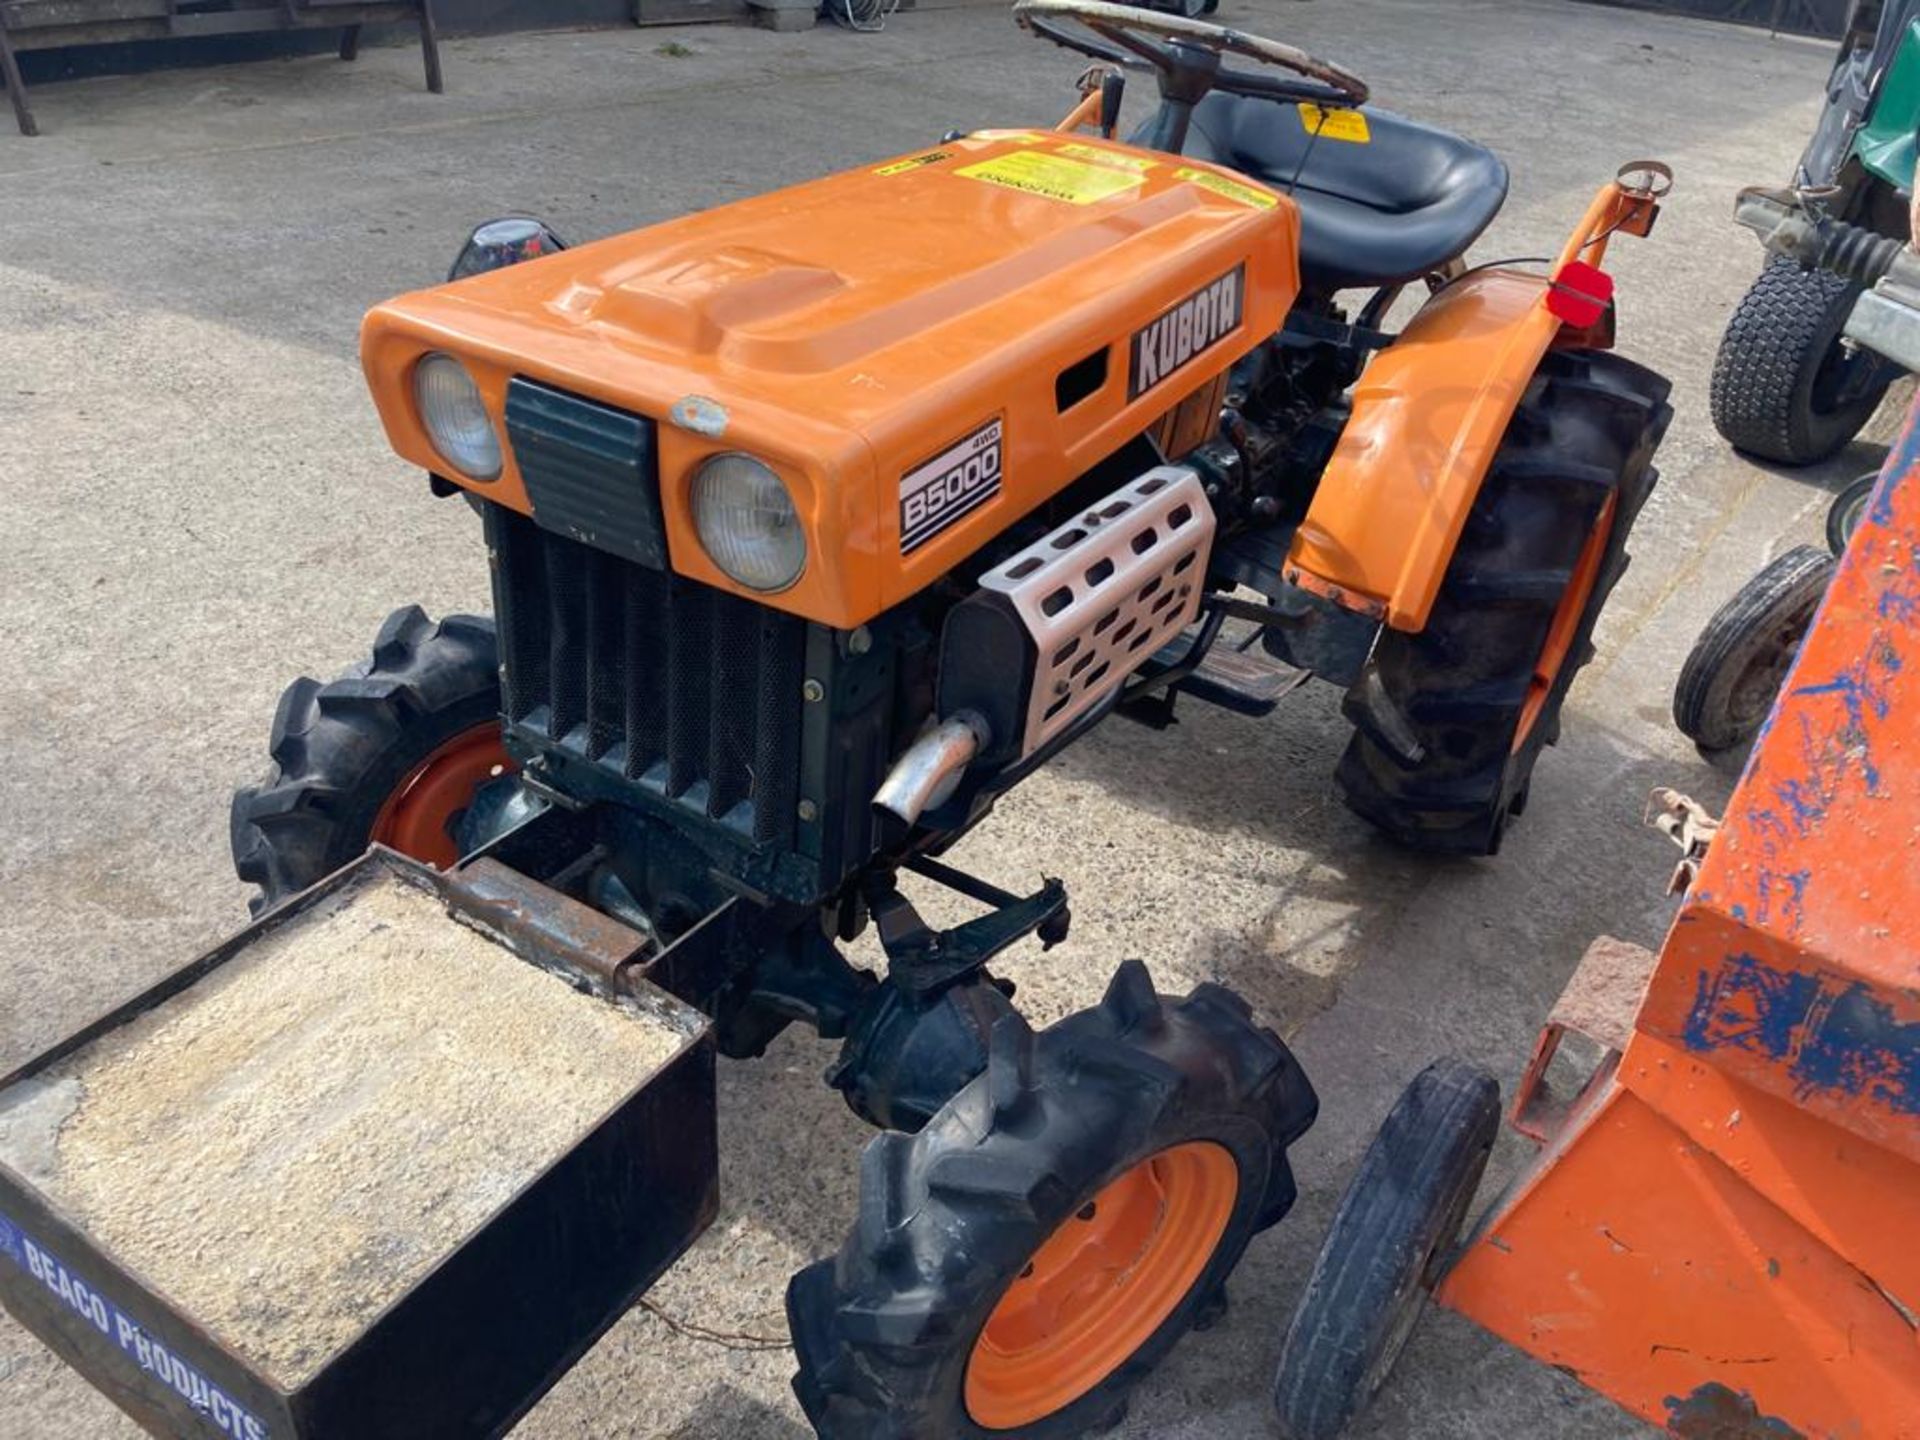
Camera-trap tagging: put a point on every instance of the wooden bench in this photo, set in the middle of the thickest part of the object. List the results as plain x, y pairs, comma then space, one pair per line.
50, 24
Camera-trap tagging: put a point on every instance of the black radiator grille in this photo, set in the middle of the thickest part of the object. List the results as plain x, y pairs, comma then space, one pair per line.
683, 689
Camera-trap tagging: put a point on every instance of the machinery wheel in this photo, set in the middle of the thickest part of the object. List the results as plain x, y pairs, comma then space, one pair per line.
1784, 386
391, 751
1025, 1259
1397, 1222
1728, 684
1843, 515
1449, 721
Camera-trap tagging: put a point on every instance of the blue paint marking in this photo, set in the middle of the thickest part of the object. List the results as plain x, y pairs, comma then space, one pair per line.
1782, 895
1833, 1039
225, 1414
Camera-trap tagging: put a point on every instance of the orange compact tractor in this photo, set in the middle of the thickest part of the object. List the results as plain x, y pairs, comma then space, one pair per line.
819, 520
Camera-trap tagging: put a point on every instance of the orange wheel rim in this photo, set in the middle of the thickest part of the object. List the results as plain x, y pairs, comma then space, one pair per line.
417, 818
1566, 624
1101, 1285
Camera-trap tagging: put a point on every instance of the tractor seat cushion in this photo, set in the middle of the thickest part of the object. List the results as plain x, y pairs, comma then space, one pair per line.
1390, 210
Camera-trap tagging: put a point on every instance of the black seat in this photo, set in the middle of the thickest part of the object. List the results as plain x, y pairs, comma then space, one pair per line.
1391, 210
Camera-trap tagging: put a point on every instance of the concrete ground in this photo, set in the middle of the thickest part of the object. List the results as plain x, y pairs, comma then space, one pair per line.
198, 506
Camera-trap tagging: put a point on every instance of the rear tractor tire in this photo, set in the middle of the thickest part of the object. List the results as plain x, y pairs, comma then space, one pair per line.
1786, 387
391, 751
1450, 720
1022, 1262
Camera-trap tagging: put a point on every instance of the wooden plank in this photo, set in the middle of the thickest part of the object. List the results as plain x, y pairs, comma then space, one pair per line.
17, 15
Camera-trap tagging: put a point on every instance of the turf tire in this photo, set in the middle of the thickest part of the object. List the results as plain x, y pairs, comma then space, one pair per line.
949, 1217
1584, 433
339, 749
1767, 376
1397, 1222
1731, 676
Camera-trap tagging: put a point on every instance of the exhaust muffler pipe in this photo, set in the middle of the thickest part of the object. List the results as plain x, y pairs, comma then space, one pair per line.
931, 768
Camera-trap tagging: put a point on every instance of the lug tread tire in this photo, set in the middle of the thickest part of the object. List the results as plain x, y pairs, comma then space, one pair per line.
338, 749
1764, 371
948, 1216
1401, 1213
1462, 683
1762, 625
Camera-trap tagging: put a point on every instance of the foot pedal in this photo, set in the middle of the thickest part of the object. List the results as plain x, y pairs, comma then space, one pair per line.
1247, 682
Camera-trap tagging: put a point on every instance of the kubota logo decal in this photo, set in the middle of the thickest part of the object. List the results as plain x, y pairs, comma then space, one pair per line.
1196, 324
959, 479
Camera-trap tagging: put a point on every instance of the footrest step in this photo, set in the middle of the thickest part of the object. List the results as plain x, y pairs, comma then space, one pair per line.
1248, 682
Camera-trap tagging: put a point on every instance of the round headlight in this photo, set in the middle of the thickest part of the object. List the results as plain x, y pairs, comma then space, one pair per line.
746, 520
456, 417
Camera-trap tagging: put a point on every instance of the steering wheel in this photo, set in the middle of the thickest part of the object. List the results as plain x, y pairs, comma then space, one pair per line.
1188, 54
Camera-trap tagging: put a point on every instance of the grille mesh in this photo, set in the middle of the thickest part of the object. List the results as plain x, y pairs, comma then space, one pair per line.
678, 687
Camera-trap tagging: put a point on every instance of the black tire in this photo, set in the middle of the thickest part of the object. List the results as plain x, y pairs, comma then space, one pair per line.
1434, 761
949, 1217
1731, 676
340, 749
1784, 387
1396, 1225
1844, 514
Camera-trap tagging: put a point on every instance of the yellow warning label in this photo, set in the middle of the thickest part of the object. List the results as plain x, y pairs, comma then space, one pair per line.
1114, 158
1251, 195
1335, 124
900, 167
1053, 176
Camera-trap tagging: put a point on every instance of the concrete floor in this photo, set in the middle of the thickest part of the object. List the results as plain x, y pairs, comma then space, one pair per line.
198, 506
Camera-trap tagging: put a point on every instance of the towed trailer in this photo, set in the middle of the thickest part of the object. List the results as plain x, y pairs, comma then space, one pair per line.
1717, 1230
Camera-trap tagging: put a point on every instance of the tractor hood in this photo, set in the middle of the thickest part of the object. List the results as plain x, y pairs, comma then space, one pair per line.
923, 349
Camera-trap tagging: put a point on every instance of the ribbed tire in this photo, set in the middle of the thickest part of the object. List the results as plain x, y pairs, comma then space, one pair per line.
1399, 1219
949, 1217
1777, 393
340, 749
1584, 434
1732, 675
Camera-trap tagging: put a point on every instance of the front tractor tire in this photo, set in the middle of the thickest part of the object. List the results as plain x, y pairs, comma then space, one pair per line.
1450, 720
391, 751
1786, 387
1021, 1263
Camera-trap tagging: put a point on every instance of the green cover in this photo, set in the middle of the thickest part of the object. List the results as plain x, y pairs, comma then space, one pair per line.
1885, 143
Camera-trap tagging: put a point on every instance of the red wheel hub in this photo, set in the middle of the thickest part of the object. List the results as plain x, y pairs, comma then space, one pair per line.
418, 817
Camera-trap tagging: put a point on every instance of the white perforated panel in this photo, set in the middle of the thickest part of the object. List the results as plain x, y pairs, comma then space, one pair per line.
1103, 592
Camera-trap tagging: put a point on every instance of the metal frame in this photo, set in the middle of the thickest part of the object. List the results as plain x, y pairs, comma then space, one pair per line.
59, 24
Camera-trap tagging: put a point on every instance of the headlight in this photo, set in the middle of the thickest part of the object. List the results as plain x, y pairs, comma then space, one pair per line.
456, 417
746, 520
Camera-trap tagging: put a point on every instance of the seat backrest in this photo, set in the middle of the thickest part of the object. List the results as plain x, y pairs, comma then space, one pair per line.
1403, 166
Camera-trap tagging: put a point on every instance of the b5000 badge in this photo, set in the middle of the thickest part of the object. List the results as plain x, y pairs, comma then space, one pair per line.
959, 479
1170, 343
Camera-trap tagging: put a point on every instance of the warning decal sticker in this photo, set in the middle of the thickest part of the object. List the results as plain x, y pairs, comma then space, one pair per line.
961, 478
900, 167
1349, 125
1054, 176
1250, 195
1107, 157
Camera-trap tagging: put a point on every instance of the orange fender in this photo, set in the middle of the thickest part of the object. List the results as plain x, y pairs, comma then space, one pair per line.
1427, 417
1430, 411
